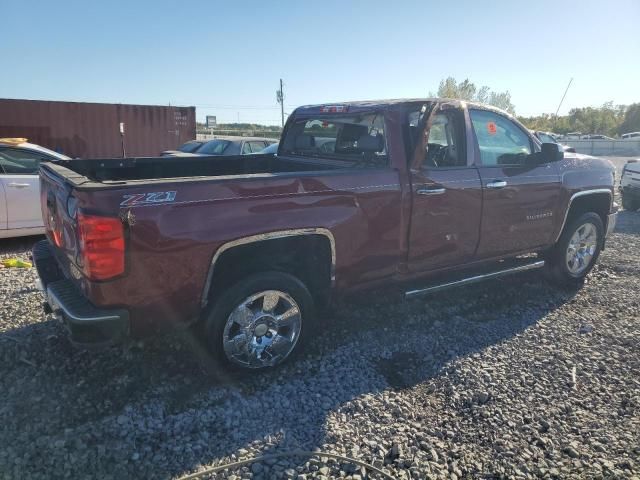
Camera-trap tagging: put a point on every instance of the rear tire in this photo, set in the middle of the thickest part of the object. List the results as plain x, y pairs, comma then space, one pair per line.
577, 250
260, 322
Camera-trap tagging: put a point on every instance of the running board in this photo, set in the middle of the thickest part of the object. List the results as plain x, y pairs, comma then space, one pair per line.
474, 279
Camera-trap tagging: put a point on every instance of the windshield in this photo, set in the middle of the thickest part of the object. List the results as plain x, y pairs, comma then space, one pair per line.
214, 147
47, 151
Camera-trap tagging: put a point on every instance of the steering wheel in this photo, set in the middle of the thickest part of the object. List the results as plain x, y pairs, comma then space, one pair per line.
437, 155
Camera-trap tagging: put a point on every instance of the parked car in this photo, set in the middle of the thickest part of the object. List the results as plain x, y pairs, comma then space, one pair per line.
20, 213
630, 185
271, 149
547, 137
630, 135
247, 248
228, 146
187, 147
596, 136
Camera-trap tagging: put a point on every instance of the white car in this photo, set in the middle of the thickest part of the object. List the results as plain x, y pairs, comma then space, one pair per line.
630, 135
630, 185
20, 187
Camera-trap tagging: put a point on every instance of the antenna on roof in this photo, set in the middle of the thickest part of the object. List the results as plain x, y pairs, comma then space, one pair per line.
560, 104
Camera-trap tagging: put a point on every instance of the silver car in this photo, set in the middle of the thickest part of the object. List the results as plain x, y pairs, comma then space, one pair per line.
20, 186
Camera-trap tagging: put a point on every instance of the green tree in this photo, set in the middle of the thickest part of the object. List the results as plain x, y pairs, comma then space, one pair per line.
606, 120
631, 119
467, 90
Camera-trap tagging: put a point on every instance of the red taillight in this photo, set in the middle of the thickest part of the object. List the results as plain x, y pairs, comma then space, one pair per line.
101, 241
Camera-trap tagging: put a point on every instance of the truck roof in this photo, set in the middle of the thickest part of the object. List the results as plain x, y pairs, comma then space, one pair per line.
368, 105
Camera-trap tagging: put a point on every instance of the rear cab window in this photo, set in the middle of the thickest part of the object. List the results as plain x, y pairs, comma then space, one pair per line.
348, 140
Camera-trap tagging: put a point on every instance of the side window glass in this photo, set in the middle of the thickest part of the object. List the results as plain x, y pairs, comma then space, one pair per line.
257, 146
501, 141
20, 162
246, 148
445, 147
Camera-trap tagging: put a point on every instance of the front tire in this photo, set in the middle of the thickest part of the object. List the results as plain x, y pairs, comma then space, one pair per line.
577, 250
260, 322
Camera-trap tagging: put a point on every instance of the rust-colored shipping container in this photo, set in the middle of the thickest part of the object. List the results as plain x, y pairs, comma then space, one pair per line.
92, 130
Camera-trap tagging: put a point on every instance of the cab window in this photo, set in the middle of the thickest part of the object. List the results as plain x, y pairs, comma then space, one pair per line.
445, 147
257, 146
501, 141
355, 141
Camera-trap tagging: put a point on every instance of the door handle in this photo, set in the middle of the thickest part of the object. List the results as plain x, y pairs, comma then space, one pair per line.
431, 191
18, 185
497, 184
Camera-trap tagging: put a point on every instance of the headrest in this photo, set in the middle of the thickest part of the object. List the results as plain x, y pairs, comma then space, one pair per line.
305, 141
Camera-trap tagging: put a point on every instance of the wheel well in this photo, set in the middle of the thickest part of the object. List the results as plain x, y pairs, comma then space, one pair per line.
307, 257
599, 203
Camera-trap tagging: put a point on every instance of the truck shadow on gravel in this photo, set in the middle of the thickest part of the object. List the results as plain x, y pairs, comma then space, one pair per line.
153, 411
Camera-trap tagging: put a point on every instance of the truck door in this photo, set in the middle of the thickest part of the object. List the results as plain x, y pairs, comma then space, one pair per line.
3, 204
447, 193
520, 197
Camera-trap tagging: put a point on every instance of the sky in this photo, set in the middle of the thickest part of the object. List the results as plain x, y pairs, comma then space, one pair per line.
226, 58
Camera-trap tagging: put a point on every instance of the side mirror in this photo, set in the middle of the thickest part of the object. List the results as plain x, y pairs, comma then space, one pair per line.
551, 152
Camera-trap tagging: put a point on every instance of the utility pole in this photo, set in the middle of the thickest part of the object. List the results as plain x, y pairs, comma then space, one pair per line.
560, 104
280, 99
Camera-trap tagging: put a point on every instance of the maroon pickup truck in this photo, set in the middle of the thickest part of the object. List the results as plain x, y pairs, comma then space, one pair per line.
432, 193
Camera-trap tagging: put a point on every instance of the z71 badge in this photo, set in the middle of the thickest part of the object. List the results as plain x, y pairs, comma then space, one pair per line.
147, 198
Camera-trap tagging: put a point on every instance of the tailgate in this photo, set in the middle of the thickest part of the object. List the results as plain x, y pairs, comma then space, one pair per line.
58, 210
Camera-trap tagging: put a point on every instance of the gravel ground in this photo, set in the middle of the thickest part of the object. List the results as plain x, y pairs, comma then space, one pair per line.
508, 379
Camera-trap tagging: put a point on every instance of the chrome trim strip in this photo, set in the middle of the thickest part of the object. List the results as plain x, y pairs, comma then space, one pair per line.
475, 279
430, 191
269, 236
573, 197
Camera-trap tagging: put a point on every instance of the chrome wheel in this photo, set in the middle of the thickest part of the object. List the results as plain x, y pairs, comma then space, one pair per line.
582, 247
263, 330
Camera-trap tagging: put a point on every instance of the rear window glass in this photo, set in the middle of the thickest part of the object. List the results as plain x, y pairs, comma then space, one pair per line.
189, 147
359, 140
214, 147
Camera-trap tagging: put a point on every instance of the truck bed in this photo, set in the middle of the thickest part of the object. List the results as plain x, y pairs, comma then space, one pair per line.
157, 168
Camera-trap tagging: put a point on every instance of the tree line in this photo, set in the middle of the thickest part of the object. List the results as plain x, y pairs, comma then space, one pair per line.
609, 119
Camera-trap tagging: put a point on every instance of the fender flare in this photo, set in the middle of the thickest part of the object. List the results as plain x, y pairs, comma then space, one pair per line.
581, 193
268, 236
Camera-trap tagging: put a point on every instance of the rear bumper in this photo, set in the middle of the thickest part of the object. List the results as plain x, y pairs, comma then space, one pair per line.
88, 325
